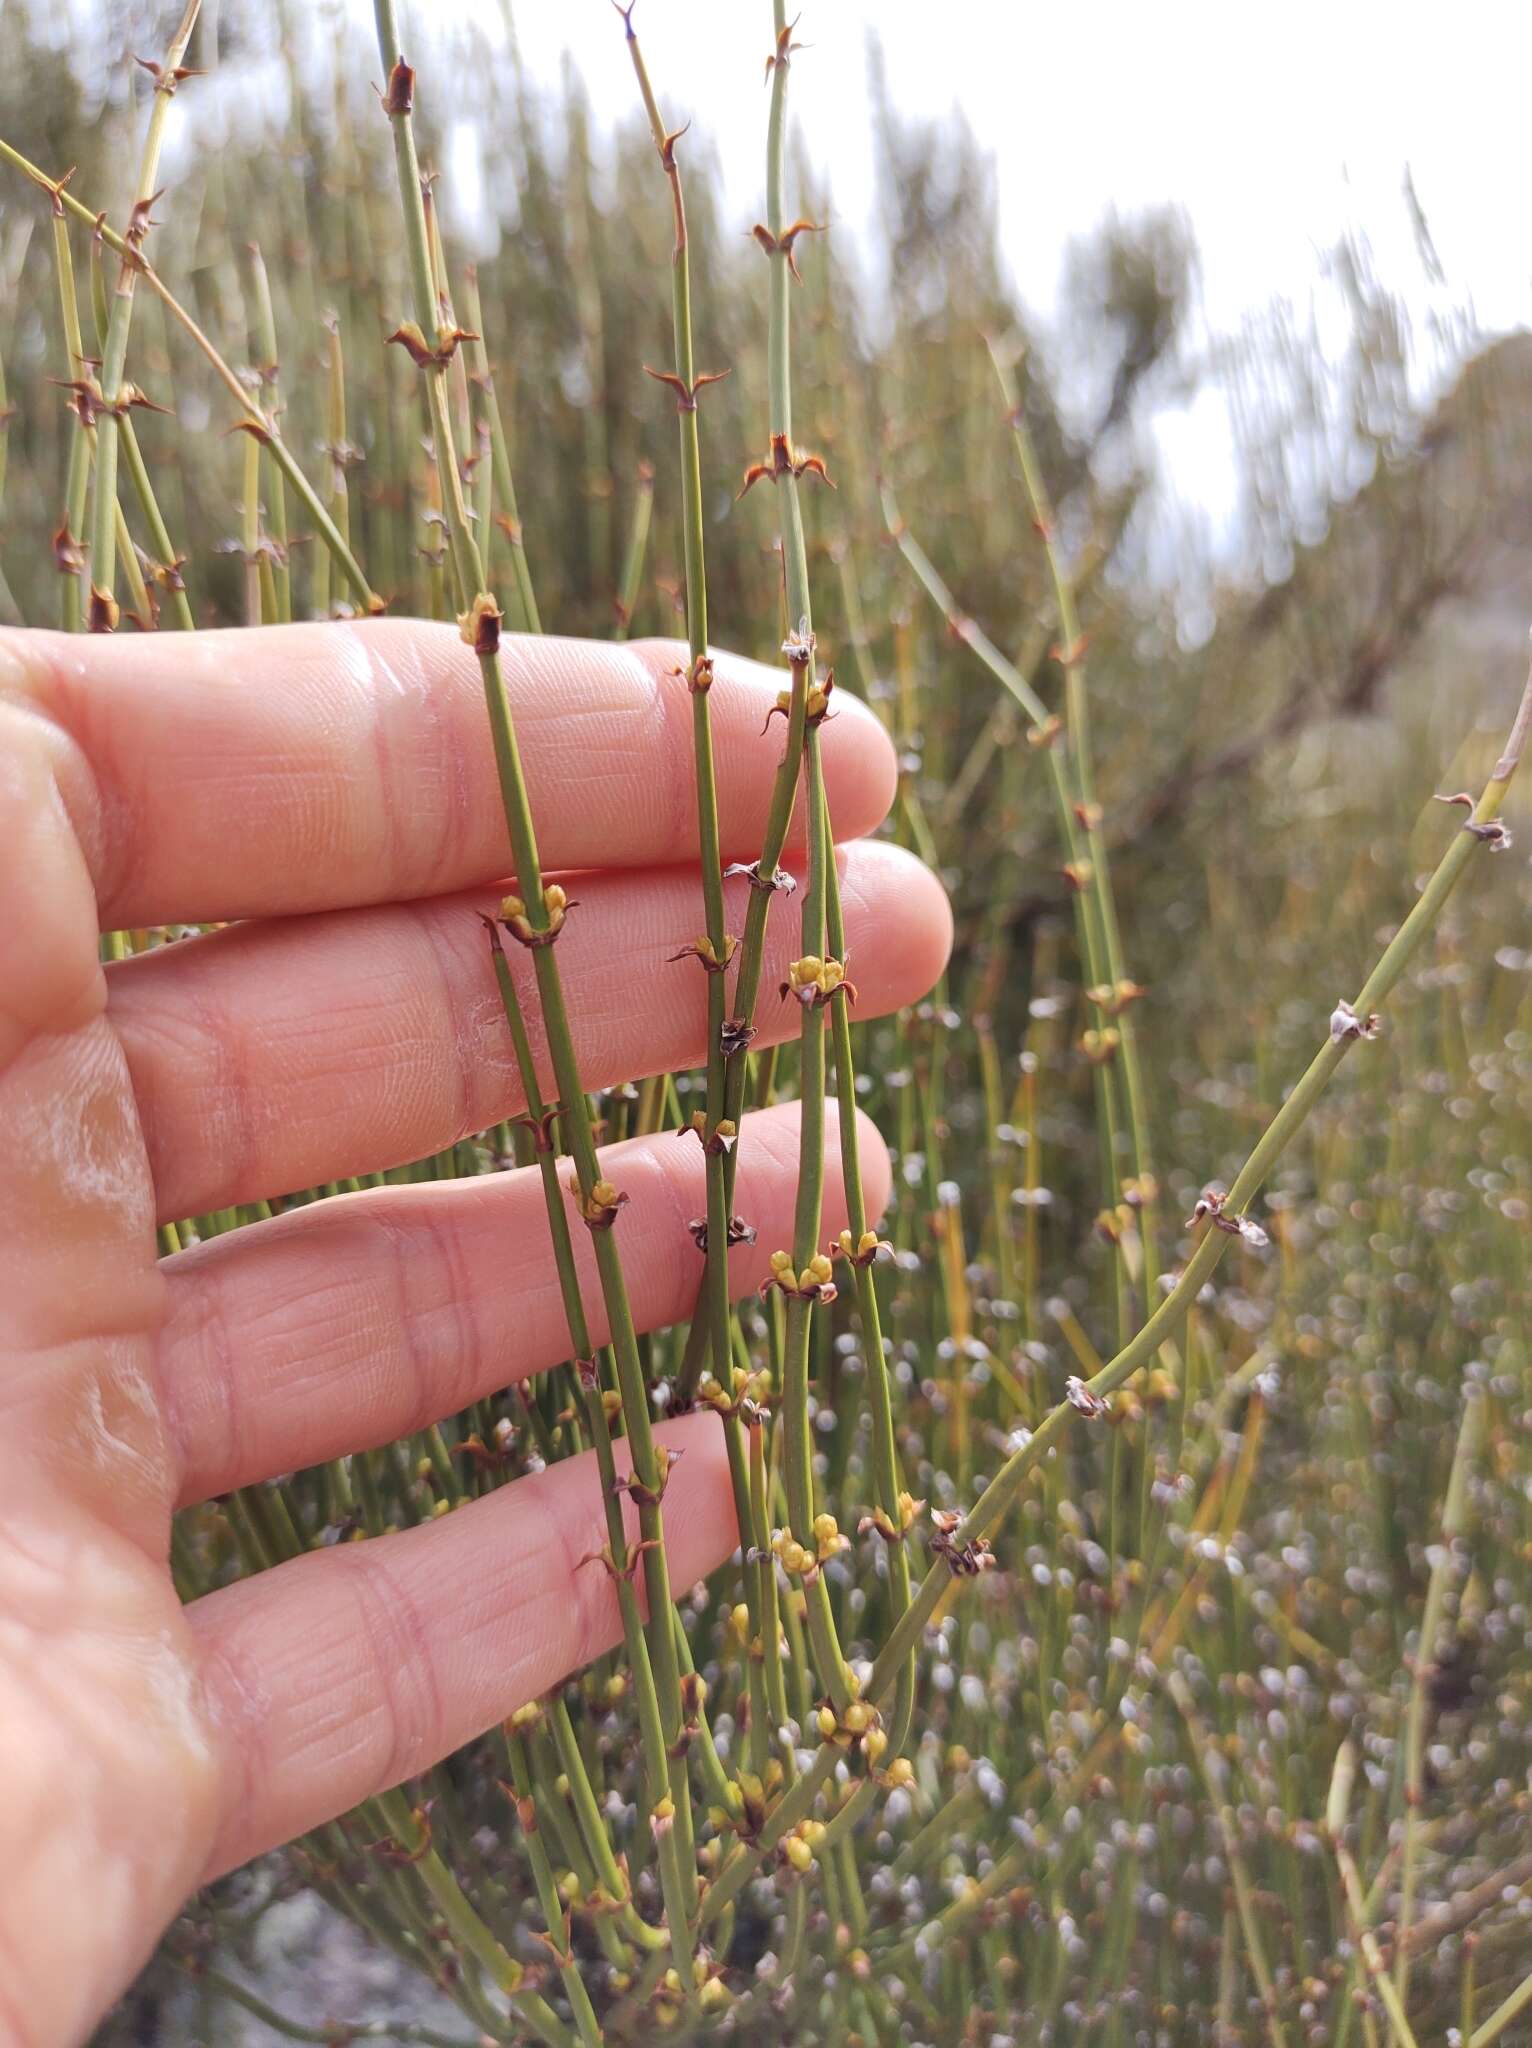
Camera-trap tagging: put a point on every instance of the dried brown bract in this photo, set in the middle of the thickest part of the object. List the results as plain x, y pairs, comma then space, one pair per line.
715, 1139
963, 1560
166, 81
784, 242
1346, 1024
542, 1128
479, 626
1210, 1208
735, 1036
779, 879
399, 99
650, 1496
782, 459
420, 351
686, 394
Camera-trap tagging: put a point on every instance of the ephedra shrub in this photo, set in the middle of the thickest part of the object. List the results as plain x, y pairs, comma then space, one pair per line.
994, 1727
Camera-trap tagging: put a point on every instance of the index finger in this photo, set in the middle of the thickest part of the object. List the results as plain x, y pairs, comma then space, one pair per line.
287, 769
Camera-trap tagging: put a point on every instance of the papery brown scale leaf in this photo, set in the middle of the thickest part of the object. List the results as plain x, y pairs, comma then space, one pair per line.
400, 96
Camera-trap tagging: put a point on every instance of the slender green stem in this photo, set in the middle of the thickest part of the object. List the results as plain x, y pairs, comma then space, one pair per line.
1445, 1563
82, 441
547, 1891
1072, 656
251, 416
1244, 1891
102, 616
167, 567
1005, 1486
626, 601
1511, 2008
542, 915
500, 461
402, 2031
1080, 872
269, 370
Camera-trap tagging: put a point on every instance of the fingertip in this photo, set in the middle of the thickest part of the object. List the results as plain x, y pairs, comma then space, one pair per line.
899, 925
861, 769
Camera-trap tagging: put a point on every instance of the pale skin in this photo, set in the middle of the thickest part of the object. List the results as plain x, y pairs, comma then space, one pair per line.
332, 789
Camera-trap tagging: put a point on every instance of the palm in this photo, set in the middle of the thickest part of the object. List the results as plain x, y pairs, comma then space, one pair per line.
329, 789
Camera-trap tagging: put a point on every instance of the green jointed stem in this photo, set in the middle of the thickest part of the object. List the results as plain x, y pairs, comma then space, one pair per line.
1081, 872
167, 566
547, 1890
1445, 1562
509, 521
1244, 1893
1072, 653
268, 368
251, 416
598, 1425
862, 1257
543, 917
716, 1139
102, 614
711, 1329
797, 1462
78, 481
464, 1924
1005, 1486
626, 602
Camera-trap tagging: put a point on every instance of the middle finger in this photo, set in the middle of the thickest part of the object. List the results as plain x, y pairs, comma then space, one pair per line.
280, 1055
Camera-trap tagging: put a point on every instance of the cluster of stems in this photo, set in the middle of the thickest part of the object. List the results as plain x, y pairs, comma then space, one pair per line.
820, 1730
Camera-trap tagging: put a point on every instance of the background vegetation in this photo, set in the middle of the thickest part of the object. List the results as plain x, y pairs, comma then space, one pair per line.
1126, 1733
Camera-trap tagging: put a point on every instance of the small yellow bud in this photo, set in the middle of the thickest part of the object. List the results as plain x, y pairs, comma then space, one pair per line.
798, 1853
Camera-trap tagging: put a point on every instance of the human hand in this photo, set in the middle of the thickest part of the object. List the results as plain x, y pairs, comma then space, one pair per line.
332, 789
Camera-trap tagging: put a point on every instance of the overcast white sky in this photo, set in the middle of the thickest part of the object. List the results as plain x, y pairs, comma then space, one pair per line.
1275, 128
1272, 126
